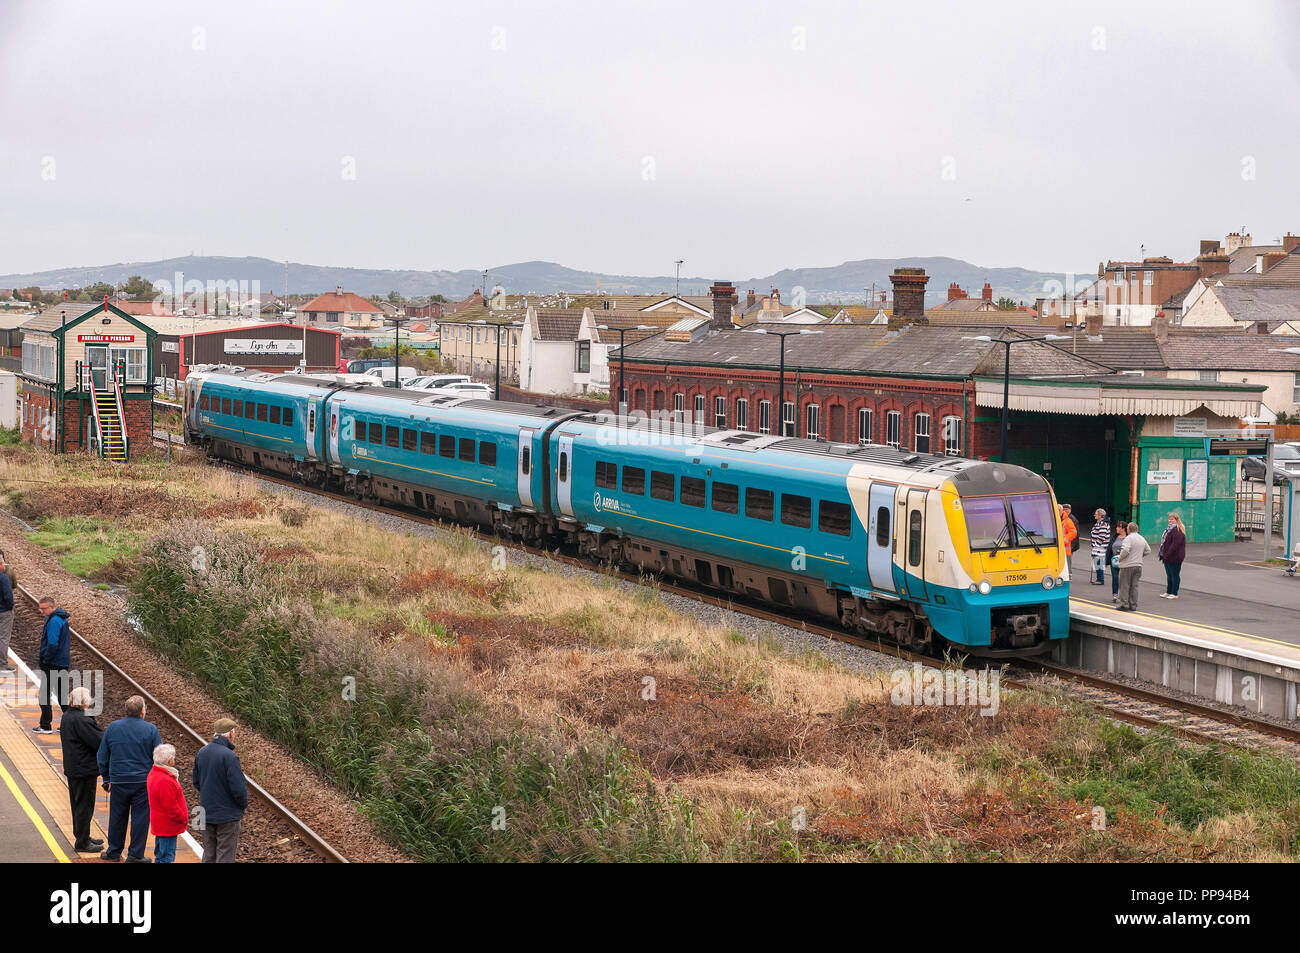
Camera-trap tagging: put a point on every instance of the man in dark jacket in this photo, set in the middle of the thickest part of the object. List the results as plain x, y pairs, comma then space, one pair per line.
6, 614
223, 794
55, 659
81, 737
125, 760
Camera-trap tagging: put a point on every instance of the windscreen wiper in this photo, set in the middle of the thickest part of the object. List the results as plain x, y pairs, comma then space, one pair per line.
1030, 533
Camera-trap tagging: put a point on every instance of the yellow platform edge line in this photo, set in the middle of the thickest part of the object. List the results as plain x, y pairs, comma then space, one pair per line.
35, 818
1212, 629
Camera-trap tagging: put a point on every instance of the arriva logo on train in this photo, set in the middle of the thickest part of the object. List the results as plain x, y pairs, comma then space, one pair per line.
606, 503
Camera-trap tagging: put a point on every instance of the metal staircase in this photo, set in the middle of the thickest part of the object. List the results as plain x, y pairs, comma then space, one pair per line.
110, 430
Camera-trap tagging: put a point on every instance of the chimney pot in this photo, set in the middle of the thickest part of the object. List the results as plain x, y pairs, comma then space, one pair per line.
1290, 242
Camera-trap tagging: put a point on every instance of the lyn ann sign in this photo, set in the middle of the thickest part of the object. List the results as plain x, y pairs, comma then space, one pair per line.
247, 346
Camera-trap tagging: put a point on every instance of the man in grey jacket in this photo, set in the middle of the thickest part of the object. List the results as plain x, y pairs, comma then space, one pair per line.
1132, 553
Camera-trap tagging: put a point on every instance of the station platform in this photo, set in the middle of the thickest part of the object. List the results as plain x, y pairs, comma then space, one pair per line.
1233, 634
35, 814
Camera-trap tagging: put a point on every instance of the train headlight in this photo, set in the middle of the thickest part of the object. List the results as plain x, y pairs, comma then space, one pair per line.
985, 588
974, 588
1060, 580
1049, 582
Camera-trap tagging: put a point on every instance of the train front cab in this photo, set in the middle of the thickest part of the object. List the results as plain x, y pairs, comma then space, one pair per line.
1008, 577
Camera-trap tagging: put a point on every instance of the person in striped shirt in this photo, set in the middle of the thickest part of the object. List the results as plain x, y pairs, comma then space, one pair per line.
1100, 545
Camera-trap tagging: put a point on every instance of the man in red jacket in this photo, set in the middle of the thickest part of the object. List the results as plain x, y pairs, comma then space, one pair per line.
168, 812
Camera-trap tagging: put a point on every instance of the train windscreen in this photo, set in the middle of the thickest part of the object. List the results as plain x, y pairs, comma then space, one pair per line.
991, 520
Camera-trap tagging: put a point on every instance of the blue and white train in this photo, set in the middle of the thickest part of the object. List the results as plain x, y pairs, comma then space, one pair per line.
927, 551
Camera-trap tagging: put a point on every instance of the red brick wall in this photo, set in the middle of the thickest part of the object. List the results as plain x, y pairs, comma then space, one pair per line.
36, 405
651, 387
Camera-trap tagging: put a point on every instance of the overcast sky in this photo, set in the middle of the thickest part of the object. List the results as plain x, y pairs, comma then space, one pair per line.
743, 137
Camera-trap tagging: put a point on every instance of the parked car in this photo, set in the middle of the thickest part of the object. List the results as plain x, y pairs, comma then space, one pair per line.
386, 374
471, 389
438, 380
1286, 464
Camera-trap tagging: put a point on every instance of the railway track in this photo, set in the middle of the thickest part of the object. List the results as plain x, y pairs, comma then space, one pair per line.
1141, 707
286, 837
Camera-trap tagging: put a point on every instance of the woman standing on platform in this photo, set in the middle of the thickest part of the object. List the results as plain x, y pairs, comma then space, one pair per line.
1173, 550
1116, 544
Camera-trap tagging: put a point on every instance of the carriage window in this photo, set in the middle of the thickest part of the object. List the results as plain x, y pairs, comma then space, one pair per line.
261, 412
663, 486
882, 526
914, 538
288, 417
376, 432
446, 446
833, 517
726, 497
487, 454
275, 414
408, 439
239, 409
526, 461
392, 436
225, 405
692, 491
467, 449
796, 510
203, 403
759, 504
606, 475
428, 443
311, 419
634, 480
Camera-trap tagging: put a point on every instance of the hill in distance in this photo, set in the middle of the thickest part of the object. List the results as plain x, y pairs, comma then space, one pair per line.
846, 282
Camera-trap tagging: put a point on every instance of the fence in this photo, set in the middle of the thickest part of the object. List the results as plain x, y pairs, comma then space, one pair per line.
1250, 508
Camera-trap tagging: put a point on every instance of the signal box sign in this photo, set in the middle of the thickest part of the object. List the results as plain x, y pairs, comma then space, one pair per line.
106, 338
1246, 447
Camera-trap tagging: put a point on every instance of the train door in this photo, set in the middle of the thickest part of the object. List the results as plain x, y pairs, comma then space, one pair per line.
333, 409
914, 556
880, 537
311, 441
526, 467
564, 477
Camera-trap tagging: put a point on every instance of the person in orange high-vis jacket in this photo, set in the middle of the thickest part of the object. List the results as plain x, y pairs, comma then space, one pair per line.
1071, 531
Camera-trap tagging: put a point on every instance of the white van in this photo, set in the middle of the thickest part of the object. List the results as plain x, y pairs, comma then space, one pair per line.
385, 374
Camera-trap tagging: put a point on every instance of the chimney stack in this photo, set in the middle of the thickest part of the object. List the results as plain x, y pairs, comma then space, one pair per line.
1093, 324
1213, 262
1209, 246
750, 298
338, 289
1161, 326
909, 297
955, 292
724, 296
1290, 242
1269, 259
987, 293
776, 297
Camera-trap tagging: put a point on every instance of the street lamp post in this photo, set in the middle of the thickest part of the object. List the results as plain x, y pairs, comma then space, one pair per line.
1006, 375
496, 392
780, 400
622, 331
397, 348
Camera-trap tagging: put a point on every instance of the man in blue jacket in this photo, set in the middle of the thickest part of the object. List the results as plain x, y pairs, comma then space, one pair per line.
223, 793
55, 659
125, 760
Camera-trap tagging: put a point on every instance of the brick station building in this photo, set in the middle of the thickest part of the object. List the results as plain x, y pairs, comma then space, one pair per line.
936, 389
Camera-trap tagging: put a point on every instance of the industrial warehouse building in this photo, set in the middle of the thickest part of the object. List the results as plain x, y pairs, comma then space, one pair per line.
275, 348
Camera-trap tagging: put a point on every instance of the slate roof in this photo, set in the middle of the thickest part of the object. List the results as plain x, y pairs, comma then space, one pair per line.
964, 304
1228, 352
51, 318
655, 320
1244, 258
1288, 269
945, 352
1123, 348
1260, 302
558, 324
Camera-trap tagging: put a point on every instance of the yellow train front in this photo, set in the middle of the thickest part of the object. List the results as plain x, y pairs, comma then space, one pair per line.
998, 578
